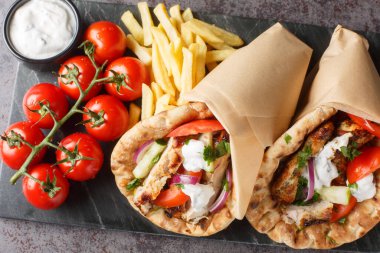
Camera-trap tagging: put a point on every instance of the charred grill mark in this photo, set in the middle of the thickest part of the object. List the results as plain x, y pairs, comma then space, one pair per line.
175, 212
314, 222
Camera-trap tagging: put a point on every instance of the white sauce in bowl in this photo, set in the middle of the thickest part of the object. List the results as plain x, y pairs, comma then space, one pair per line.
40, 29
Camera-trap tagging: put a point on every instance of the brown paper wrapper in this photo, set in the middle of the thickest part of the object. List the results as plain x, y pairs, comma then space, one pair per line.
254, 93
346, 78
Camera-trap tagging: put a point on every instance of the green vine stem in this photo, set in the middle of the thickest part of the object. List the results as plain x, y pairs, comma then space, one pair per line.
89, 51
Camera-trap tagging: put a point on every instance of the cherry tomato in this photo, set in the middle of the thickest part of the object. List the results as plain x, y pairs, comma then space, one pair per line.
88, 148
171, 197
37, 195
109, 40
370, 126
341, 211
46, 93
86, 74
364, 164
197, 127
15, 155
135, 75
112, 116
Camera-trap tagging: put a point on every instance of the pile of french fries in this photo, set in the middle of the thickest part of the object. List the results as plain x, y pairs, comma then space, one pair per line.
177, 52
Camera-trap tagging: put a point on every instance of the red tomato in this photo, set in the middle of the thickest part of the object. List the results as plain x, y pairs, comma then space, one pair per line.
341, 211
196, 127
183, 171
14, 156
370, 126
86, 74
87, 147
364, 164
37, 195
171, 197
135, 75
109, 40
115, 118
46, 93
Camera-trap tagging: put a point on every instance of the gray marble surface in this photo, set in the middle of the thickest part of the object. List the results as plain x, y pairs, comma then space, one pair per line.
22, 236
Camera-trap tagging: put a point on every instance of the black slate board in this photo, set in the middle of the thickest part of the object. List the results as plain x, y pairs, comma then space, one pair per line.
98, 203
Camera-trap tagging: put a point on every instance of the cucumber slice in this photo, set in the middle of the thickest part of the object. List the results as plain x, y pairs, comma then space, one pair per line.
336, 194
150, 158
206, 138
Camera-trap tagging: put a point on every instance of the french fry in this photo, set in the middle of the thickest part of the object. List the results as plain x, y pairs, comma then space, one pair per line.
187, 74
201, 60
175, 13
228, 37
161, 102
163, 17
205, 33
159, 71
147, 22
194, 48
211, 65
163, 46
147, 102
157, 91
218, 55
143, 53
175, 58
133, 26
134, 115
186, 35
187, 15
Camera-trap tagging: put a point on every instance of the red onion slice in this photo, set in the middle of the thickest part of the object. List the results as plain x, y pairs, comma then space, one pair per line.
310, 192
141, 151
221, 200
184, 179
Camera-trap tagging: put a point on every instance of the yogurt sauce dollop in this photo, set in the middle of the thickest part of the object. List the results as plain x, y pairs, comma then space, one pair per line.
41, 29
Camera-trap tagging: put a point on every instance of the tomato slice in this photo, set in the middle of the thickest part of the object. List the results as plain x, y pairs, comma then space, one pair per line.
196, 127
183, 171
171, 197
370, 126
341, 211
364, 164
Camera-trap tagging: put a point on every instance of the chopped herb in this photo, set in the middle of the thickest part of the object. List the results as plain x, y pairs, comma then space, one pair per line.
161, 142
287, 138
353, 186
316, 197
225, 185
133, 184
342, 220
155, 160
303, 156
351, 151
331, 240
187, 141
181, 186
223, 148
210, 154
302, 184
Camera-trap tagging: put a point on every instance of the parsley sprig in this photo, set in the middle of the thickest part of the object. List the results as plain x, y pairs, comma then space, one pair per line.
303, 156
210, 154
351, 151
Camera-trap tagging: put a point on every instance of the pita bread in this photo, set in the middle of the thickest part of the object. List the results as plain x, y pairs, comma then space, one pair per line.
264, 213
154, 128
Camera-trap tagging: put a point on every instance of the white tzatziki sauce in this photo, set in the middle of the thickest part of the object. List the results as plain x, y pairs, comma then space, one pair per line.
193, 156
325, 170
41, 29
200, 195
366, 188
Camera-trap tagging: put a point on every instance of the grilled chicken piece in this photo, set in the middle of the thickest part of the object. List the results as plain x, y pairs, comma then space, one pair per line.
304, 216
168, 165
340, 162
216, 178
176, 212
285, 184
